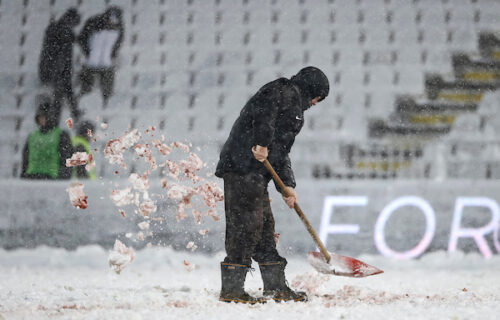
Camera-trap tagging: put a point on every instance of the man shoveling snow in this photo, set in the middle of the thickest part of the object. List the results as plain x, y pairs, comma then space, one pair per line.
265, 129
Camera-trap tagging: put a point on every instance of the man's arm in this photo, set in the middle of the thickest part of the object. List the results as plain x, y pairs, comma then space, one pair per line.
264, 116
285, 172
118, 42
83, 38
26, 156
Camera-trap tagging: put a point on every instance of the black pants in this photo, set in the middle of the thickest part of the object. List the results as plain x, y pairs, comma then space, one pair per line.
249, 220
106, 81
62, 90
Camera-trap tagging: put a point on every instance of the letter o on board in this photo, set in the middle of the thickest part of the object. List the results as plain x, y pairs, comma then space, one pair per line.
430, 226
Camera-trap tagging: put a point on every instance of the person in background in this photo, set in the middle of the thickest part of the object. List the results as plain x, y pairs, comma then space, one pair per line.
46, 149
265, 129
81, 143
100, 40
56, 62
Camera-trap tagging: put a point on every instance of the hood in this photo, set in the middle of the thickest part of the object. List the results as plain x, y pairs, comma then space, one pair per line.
71, 17
45, 109
113, 16
312, 83
84, 127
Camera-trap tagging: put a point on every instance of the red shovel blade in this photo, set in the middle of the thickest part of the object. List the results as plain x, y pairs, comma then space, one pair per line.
341, 265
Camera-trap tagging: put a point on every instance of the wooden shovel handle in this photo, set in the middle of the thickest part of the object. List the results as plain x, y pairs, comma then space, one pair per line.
299, 211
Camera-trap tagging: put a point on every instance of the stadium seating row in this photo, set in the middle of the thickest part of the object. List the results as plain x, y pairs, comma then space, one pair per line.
199, 61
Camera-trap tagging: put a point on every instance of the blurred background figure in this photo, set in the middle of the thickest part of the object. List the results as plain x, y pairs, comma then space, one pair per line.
100, 40
81, 143
46, 149
56, 62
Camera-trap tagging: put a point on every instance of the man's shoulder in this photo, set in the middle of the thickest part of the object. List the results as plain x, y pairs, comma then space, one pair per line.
93, 22
61, 132
33, 133
278, 85
278, 82
53, 29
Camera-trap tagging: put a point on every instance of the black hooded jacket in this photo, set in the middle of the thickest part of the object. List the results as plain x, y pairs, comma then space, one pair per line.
272, 118
102, 22
56, 57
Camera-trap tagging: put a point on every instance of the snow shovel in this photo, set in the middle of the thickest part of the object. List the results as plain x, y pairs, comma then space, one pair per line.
324, 261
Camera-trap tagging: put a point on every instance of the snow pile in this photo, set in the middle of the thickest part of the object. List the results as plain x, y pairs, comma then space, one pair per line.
120, 256
77, 196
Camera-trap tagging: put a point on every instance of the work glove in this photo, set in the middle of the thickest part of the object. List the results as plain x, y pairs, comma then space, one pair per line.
260, 153
291, 200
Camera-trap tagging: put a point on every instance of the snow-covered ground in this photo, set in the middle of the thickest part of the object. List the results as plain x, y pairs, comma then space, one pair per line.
48, 283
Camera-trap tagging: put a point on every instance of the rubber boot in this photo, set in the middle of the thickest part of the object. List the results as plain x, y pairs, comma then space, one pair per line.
275, 284
233, 281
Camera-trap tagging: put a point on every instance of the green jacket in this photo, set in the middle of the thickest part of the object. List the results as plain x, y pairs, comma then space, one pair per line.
44, 157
